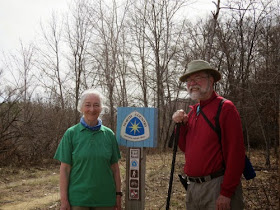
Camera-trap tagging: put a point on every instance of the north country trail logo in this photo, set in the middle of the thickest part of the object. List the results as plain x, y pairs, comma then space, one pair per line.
135, 127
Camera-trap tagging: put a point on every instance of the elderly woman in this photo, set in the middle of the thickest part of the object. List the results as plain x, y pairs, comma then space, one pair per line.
89, 154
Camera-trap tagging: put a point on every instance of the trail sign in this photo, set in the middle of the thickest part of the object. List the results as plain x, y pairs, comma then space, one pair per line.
137, 127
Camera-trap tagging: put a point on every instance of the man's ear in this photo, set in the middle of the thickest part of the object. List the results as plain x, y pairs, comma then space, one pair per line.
211, 78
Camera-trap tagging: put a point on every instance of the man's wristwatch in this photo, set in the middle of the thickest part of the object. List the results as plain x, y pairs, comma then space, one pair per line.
119, 193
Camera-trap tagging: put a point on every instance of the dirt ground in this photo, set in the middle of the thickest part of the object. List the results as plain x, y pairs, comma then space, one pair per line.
38, 187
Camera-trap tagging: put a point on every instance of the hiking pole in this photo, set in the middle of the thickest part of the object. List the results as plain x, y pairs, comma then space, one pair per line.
178, 125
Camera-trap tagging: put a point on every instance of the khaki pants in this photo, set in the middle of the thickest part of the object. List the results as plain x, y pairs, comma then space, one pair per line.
203, 196
91, 208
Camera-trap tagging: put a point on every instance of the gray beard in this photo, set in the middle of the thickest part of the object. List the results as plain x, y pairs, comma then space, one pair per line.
196, 96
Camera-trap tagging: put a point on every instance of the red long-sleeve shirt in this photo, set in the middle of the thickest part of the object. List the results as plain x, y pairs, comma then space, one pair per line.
200, 143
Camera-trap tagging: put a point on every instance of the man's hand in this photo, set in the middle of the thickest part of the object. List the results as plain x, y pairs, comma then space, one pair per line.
223, 203
180, 116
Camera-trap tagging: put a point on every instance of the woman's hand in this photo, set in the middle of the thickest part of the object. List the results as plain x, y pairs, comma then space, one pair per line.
116, 172
64, 182
65, 205
119, 203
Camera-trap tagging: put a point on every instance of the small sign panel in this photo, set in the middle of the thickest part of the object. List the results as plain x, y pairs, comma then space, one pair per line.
134, 194
134, 163
134, 153
134, 183
134, 173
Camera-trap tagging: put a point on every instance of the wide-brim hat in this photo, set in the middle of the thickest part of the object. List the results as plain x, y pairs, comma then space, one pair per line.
200, 65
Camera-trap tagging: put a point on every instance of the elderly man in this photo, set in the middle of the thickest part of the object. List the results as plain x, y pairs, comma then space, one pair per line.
213, 168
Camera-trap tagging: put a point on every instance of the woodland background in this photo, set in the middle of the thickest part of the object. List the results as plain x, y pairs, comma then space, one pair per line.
134, 52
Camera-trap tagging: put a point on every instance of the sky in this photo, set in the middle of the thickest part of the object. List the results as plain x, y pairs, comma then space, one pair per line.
20, 19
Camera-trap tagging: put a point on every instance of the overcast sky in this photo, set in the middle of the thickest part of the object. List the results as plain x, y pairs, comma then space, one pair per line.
20, 19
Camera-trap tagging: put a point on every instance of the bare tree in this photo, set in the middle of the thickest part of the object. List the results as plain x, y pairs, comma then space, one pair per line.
16, 110
50, 62
78, 35
248, 35
107, 52
140, 54
155, 38
123, 70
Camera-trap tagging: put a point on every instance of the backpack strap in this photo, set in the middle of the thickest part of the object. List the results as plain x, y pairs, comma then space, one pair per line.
217, 127
217, 119
208, 121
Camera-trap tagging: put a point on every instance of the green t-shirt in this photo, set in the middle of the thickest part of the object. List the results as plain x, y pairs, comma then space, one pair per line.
91, 154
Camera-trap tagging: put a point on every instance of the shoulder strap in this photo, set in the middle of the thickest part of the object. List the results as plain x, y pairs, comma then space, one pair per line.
217, 122
217, 127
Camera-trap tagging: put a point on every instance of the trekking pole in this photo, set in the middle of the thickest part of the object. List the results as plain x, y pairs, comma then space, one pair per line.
178, 125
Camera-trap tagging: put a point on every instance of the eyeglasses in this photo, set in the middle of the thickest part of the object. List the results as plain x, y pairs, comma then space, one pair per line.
196, 79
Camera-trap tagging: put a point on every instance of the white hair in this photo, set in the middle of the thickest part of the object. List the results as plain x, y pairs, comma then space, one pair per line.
90, 92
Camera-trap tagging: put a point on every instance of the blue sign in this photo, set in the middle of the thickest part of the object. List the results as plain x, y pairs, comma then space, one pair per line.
137, 127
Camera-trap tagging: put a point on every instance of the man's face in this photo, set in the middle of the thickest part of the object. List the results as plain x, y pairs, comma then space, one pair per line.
200, 86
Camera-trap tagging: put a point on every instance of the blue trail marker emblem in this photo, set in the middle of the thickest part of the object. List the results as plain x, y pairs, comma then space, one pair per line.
135, 127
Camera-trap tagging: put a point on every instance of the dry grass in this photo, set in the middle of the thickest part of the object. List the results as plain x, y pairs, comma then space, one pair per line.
37, 188
33, 188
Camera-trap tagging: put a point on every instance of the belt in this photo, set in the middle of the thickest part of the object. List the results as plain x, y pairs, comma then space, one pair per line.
201, 179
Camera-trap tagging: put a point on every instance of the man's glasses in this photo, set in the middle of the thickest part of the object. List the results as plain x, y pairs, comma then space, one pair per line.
196, 79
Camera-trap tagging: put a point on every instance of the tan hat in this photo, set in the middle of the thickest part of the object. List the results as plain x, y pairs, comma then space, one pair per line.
200, 65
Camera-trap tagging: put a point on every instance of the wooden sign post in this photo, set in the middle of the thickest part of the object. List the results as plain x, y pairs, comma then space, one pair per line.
136, 129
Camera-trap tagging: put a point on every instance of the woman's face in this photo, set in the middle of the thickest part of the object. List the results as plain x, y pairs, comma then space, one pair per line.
91, 109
